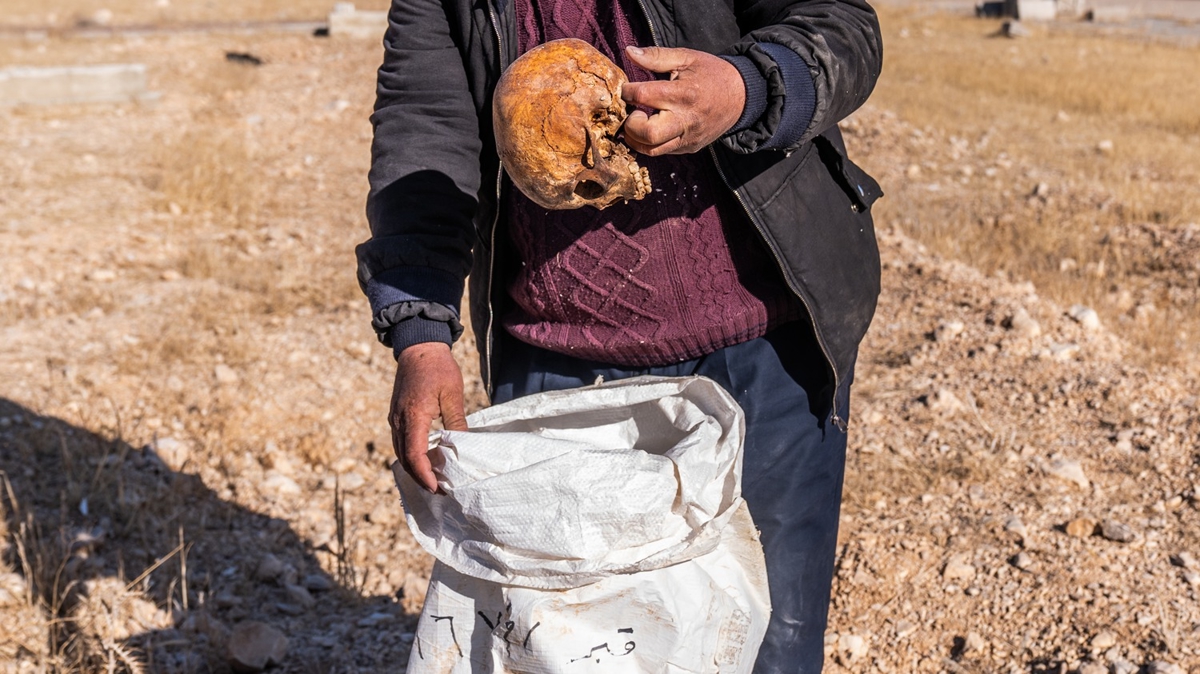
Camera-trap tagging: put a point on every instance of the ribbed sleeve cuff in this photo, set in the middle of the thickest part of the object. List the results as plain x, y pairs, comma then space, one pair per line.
800, 99
418, 330
756, 92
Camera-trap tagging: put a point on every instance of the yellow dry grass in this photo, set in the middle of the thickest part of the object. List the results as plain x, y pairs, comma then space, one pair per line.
955, 72
1108, 124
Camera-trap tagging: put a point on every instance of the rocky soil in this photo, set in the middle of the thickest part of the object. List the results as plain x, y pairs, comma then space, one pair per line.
193, 442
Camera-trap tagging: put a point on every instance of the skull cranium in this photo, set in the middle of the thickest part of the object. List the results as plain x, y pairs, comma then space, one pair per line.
556, 112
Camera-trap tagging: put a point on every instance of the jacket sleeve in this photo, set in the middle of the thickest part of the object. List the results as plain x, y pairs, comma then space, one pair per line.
424, 179
819, 60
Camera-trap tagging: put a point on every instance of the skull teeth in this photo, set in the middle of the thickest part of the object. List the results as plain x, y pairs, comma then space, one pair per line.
644, 183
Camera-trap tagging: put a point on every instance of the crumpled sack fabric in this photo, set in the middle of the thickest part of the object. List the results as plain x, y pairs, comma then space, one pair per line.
599, 528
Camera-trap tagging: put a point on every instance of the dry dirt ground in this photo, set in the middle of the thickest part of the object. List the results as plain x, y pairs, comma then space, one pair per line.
192, 404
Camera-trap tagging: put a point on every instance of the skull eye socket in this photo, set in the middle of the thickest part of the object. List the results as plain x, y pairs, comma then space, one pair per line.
589, 189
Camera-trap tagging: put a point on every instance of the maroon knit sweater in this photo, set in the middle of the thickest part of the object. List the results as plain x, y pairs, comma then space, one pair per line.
674, 276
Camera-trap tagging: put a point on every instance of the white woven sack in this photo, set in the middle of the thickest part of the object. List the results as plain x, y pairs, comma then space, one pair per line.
600, 529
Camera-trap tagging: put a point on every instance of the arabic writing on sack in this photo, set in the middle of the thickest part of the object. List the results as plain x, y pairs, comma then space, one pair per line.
503, 625
629, 646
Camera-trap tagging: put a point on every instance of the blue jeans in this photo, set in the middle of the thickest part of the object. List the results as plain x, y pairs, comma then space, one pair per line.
793, 465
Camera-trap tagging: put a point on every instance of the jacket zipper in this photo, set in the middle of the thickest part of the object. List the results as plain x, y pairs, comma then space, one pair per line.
649, 22
491, 320
837, 419
792, 285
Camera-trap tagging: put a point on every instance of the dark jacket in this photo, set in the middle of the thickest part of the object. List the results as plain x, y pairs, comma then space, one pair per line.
436, 181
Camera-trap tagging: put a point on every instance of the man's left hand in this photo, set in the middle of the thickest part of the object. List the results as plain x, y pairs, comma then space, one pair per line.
703, 99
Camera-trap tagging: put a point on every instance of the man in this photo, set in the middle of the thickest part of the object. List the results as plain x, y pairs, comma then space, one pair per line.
753, 262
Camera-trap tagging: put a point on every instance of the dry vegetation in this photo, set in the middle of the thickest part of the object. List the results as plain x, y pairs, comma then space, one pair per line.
189, 386
1106, 126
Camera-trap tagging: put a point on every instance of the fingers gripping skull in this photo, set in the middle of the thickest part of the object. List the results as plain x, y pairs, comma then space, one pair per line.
556, 112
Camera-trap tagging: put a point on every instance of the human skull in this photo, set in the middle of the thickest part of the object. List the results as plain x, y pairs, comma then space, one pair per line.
556, 112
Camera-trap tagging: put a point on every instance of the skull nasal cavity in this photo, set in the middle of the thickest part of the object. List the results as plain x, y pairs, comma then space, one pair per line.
589, 189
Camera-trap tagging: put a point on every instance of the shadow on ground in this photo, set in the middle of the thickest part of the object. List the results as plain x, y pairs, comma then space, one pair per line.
97, 530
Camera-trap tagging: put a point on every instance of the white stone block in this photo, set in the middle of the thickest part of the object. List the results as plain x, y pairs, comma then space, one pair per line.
1033, 10
1071, 8
351, 22
1110, 14
115, 83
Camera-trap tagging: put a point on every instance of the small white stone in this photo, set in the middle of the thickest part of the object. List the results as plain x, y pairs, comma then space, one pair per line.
174, 453
269, 568
958, 568
359, 350
345, 464
1085, 316
227, 600
374, 619
1185, 559
1014, 525
1117, 531
385, 514
1015, 29
1161, 667
1064, 352
318, 582
853, 645
279, 483
12, 589
225, 374
1023, 324
299, 595
1105, 147
254, 646
1142, 313
1121, 666
352, 481
1069, 471
948, 330
974, 643
1104, 640
944, 400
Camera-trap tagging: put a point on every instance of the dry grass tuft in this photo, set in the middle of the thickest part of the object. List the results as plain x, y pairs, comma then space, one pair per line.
209, 171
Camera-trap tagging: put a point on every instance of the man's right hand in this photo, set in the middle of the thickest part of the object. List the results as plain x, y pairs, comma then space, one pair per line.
429, 385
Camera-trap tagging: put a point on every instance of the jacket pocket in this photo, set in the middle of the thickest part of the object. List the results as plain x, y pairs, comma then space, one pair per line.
800, 165
860, 187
